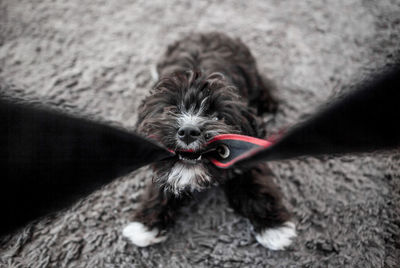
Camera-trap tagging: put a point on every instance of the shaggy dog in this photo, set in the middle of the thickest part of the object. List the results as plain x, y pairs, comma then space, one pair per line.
209, 86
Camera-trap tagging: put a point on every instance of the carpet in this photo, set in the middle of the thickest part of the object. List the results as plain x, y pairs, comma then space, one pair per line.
93, 59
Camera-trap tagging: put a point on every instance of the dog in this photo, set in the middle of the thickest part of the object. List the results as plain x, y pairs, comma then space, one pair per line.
209, 85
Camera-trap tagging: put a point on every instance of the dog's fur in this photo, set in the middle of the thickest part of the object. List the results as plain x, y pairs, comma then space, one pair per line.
209, 81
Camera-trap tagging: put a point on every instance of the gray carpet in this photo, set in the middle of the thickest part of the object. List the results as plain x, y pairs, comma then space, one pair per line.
93, 58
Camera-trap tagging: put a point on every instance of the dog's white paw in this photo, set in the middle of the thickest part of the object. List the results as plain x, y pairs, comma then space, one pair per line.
141, 236
277, 238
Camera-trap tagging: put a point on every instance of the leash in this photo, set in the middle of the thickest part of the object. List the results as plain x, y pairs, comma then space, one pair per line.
231, 148
365, 120
226, 149
52, 159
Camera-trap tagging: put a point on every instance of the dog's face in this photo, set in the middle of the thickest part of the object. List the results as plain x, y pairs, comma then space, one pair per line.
183, 112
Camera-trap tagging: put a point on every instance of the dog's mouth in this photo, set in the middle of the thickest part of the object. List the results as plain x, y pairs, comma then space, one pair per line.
194, 157
190, 157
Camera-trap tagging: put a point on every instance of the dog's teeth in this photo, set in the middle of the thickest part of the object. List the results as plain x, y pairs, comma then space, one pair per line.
199, 158
180, 157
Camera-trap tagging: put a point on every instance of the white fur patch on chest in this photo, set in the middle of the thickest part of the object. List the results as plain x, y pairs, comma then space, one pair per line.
277, 238
184, 176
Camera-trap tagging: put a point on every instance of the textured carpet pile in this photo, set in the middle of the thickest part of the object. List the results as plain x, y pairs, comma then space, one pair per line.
93, 58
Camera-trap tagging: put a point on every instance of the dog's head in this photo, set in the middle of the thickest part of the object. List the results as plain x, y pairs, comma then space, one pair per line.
183, 112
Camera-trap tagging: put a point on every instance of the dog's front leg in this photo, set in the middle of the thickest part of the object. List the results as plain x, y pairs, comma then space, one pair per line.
155, 214
254, 195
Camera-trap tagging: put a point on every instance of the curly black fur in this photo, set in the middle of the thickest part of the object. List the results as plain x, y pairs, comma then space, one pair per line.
214, 78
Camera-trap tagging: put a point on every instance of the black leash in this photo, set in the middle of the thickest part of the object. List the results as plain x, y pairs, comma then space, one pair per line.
366, 120
51, 159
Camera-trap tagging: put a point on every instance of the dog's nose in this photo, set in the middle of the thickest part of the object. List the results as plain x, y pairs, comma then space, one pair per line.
188, 134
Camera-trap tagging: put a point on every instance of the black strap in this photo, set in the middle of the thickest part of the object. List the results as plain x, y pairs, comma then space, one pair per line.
365, 120
51, 160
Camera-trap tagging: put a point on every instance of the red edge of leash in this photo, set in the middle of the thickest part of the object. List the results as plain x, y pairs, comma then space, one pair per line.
257, 141
262, 144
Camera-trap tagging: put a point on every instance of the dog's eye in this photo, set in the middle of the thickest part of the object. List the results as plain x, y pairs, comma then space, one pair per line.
170, 110
218, 117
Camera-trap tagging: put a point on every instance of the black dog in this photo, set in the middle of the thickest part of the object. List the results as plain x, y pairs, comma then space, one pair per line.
209, 86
